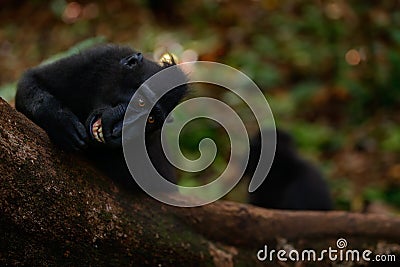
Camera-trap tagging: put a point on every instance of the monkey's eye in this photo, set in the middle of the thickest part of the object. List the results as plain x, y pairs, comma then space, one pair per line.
141, 103
151, 119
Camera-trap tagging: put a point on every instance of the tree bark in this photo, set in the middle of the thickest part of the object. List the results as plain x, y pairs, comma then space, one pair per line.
57, 209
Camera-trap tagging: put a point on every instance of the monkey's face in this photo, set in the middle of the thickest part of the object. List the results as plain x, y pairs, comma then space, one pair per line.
105, 123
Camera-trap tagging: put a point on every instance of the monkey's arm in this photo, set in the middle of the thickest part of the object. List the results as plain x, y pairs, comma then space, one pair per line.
62, 126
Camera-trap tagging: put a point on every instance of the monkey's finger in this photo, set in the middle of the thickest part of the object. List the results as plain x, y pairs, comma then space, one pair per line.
81, 131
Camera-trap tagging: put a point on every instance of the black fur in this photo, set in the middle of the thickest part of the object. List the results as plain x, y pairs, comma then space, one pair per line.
66, 97
292, 183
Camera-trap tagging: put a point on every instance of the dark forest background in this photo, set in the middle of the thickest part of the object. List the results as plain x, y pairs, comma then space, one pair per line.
329, 69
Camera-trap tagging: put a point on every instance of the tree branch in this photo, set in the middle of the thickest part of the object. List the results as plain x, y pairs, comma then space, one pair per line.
57, 209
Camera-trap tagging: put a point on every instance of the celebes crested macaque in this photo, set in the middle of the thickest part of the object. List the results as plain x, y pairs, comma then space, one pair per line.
292, 183
80, 101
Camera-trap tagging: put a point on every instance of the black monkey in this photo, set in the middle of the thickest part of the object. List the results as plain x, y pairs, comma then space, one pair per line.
292, 183
80, 101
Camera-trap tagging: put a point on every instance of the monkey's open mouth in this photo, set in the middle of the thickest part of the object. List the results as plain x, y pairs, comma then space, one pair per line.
105, 125
97, 131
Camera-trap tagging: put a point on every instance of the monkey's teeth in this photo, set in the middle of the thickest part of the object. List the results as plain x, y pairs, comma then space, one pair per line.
96, 136
97, 131
101, 136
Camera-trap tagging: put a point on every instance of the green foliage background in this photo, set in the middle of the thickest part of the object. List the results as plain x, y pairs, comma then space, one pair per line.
329, 69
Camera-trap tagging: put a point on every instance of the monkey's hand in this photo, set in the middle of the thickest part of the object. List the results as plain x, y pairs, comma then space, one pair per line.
65, 130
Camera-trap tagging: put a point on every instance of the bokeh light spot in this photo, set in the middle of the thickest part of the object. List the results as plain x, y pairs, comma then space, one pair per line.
353, 57
72, 12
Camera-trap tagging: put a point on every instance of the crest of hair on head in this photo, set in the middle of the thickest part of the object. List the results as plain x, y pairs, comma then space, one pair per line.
168, 59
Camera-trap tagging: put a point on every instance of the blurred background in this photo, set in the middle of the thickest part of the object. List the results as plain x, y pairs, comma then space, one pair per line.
329, 69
